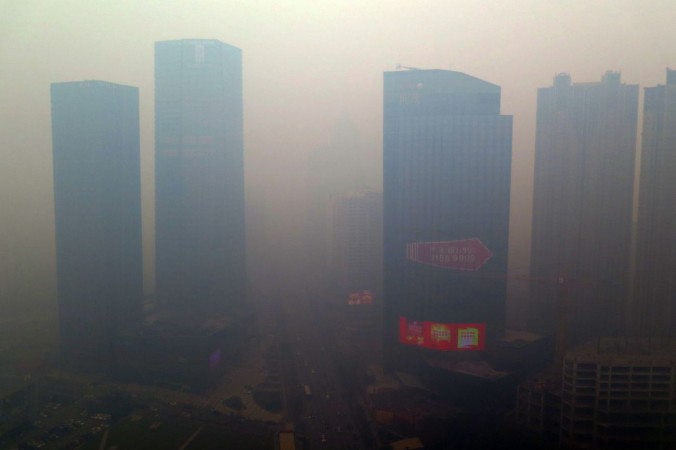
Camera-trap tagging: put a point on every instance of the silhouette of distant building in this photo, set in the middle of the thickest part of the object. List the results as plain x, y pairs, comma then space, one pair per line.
653, 310
446, 172
97, 205
356, 242
199, 176
338, 168
582, 207
356, 260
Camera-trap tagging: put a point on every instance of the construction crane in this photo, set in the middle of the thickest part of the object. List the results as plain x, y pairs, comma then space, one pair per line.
563, 306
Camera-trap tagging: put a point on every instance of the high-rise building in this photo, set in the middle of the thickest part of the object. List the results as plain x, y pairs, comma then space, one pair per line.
653, 308
337, 168
447, 164
582, 207
97, 205
356, 261
356, 242
199, 176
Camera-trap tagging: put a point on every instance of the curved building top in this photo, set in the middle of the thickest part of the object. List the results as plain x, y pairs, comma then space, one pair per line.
439, 92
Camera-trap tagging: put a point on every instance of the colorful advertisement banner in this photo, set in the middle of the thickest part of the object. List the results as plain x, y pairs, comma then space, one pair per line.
442, 336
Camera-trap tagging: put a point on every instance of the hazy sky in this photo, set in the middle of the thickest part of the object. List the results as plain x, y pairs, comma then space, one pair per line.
306, 63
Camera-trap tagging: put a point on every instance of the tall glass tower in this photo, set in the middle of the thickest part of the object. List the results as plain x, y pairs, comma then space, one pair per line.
97, 206
447, 168
199, 176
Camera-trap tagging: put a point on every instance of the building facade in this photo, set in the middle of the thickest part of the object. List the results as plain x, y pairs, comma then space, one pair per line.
582, 206
612, 393
653, 308
97, 205
199, 176
338, 168
446, 179
619, 393
355, 261
356, 242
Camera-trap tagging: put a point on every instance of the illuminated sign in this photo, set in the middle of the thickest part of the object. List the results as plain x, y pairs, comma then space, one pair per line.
463, 254
442, 336
468, 338
360, 298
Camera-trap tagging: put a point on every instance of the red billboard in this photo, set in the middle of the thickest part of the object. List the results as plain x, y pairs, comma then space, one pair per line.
442, 336
463, 254
360, 298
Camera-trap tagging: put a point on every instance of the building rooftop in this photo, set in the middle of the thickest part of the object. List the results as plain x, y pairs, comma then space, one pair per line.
477, 369
627, 350
407, 444
92, 84
518, 339
167, 322
437, 80
194, 41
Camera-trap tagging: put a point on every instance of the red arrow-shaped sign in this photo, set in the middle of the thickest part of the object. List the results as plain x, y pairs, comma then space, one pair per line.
463, 254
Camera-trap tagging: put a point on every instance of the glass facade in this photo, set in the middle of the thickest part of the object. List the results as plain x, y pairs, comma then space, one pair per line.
447, 169
199, 176
97, 205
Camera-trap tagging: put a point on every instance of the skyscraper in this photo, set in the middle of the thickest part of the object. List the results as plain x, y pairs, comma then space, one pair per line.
199, 176
356, 256
446, 173
337, 168
653, 309
356, 243
582, 207
97, 205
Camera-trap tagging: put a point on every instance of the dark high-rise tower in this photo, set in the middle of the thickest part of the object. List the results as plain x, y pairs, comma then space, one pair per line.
447, 164
97, 205
199, 176
582, 207
653, 309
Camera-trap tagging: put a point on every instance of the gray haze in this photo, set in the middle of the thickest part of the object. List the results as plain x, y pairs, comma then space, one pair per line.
307, 65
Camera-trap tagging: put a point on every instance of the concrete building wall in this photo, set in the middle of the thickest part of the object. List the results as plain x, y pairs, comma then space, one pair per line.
582, 207
653, 308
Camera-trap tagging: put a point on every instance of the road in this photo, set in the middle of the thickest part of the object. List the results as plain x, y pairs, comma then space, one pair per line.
326, 417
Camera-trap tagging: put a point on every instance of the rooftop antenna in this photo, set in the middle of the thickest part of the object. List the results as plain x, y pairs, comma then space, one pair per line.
400, 67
